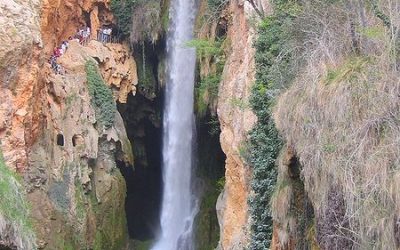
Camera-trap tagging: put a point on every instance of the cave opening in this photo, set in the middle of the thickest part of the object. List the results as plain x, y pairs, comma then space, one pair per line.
142, 119
210, 171
60, 140
301, 207
142, 115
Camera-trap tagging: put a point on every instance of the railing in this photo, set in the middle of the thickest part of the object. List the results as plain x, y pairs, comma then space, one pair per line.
104, 38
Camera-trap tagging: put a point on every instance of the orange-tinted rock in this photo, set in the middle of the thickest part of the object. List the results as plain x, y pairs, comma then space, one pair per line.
238, 78
19, 73
116, 64
62, 19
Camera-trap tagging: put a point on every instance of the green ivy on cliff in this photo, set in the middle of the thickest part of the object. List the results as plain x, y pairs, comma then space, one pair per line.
274, 71
101, 96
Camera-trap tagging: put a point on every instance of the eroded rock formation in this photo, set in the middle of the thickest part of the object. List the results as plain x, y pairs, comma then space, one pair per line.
238, 76
49, 131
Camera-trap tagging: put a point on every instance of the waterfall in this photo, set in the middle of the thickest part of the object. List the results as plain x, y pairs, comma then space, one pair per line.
178, 203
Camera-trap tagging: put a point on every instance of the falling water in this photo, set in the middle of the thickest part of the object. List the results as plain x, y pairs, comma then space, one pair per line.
178, 208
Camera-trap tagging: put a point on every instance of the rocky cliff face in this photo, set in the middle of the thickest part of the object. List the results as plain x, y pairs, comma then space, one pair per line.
83, 186
61, 19
236, 121
19, 72
49, 129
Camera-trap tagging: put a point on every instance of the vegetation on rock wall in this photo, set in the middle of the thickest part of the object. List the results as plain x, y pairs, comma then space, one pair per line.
111, 227
90, 223
141, 20
274, 71
340, 116
123, 9
206, 90
148, 82
101, 95
14, 209
211, 48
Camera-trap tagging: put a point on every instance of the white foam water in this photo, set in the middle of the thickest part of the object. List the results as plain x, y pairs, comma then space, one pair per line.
178, 202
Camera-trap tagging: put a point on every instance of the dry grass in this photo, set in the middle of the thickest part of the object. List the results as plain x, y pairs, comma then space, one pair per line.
342, 116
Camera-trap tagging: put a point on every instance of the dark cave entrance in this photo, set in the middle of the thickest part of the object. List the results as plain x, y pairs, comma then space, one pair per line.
142, 115
211, 158
144, 180
60, 140
142, 119
210, 171
300, 204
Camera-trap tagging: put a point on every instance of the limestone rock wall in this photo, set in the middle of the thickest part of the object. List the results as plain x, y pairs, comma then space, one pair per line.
72, 165
48, 128
60, 19
117, 66
19, 73
238, 76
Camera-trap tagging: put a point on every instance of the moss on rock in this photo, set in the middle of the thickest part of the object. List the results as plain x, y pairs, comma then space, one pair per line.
14, 210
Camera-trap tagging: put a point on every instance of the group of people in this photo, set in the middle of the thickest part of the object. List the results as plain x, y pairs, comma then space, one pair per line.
82, 35
58, 52
104, 35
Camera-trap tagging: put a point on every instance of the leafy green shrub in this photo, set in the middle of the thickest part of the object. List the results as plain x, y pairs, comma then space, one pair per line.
143, 245
214, 4
274, 70
265, 145
101, 96
215, 126
221, 184
14, 206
